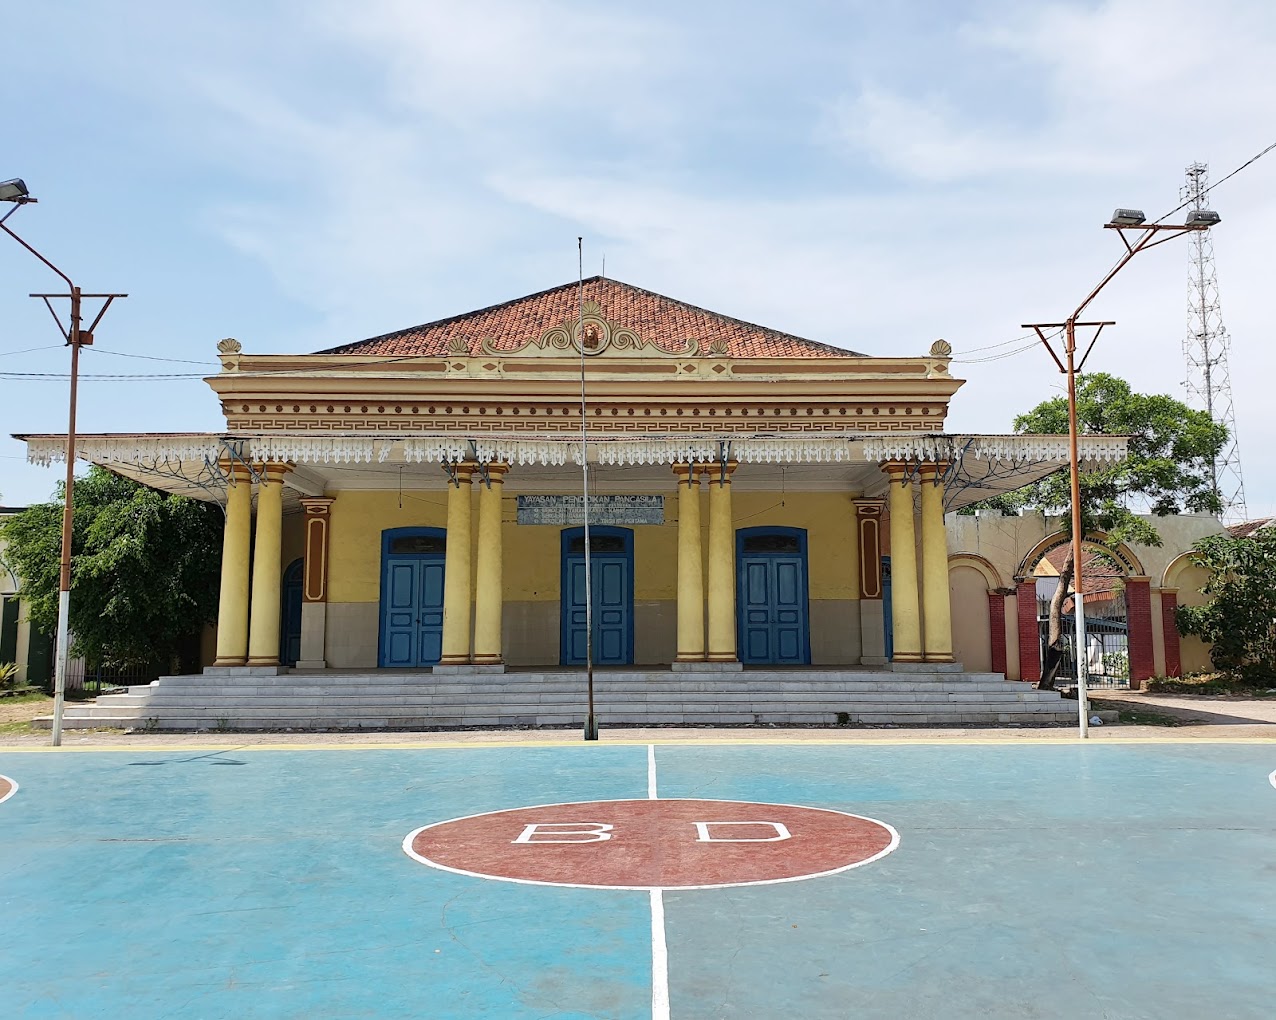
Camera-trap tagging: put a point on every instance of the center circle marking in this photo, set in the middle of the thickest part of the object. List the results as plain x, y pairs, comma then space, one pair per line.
652, 844
7, 788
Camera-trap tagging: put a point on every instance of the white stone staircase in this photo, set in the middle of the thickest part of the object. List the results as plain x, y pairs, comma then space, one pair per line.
394, 700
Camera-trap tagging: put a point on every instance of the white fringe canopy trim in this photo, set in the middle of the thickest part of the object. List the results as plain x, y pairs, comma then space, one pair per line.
531, 450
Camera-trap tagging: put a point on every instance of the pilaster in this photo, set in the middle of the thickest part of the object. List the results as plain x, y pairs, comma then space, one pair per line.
314, 585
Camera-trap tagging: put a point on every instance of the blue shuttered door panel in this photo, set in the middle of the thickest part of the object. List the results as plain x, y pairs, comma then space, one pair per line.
577, 617
772, 610
430, 613
756, 608
412, 612
612, 611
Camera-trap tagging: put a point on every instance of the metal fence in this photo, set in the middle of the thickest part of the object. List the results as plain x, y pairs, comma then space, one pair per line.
1107, 644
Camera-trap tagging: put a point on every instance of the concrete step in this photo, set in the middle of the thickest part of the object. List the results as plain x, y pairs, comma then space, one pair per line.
196, 723
555, 698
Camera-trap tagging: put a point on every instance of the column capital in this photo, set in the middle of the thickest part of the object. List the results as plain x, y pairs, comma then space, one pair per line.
718, 471
687, 472
1168, 591
897, 469
317, 506
1138, 579
236, 471
496, 471
933, 470
460, 472
272, 472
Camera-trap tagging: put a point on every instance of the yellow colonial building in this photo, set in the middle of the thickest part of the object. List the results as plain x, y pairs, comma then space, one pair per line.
414, 501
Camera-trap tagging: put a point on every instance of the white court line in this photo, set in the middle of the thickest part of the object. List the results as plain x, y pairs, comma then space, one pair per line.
13, 788
659, 959
1272, 778
659, 949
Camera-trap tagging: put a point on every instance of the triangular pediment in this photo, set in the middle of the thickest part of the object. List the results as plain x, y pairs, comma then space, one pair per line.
614, 320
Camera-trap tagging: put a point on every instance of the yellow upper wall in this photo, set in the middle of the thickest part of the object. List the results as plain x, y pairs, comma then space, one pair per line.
532, 568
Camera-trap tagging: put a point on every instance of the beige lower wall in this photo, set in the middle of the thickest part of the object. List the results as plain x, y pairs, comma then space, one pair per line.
972, 634
351, 635
835, 632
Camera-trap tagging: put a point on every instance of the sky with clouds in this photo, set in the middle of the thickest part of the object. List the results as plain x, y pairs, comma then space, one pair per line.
302, 174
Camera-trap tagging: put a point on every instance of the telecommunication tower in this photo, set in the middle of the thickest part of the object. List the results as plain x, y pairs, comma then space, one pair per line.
1209, 381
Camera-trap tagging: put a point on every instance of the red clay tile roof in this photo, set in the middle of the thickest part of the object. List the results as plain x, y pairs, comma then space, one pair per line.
1247, 528
660, 320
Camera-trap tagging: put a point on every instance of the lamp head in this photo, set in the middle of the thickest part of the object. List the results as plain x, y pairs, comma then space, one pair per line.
1203, 218
1127, 217
14, 191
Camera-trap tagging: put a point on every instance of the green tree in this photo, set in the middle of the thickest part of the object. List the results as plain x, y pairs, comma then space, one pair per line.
144, 568
1168, 470
1240, 619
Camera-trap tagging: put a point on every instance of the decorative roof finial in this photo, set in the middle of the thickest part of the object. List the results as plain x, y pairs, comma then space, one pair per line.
941, 349
229, 346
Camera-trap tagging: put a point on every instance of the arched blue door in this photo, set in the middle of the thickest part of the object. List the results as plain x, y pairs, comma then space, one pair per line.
771, 596
290, 614
611, 557
412, 596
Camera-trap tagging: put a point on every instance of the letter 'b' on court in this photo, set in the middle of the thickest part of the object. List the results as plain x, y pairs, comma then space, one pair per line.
776, 831
564, 832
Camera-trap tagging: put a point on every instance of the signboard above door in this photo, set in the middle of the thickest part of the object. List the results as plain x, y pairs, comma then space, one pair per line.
570, 510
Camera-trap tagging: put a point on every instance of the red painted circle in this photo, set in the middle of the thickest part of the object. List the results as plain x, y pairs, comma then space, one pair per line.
652, 844
7, 786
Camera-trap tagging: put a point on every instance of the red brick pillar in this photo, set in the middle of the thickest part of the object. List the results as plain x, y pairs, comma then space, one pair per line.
997, 630
1170, 632
1138, 618
1029, 632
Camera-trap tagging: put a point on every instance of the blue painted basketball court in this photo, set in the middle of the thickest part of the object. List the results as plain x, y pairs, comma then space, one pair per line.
1030, 880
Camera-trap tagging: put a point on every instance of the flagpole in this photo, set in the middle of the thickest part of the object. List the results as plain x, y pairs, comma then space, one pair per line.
591, 723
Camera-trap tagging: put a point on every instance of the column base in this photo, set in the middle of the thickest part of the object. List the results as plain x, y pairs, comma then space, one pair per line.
706, 666
464, 668
907, 657
485, 659
926, 667
244, 670
231, 660
939, 658
454, 660
263, 660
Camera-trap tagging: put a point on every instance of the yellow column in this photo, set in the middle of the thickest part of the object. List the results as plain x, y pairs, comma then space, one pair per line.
232, 607
935, 597
263, 630
456, 567
488, 597
690, 566
721, 564
906, 622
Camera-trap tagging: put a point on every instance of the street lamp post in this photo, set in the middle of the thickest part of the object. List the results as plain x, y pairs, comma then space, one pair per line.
1145, 235
76, 336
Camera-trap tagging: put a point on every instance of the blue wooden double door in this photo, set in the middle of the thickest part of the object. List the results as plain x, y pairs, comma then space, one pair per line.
611, 559
412, 596
771, 597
